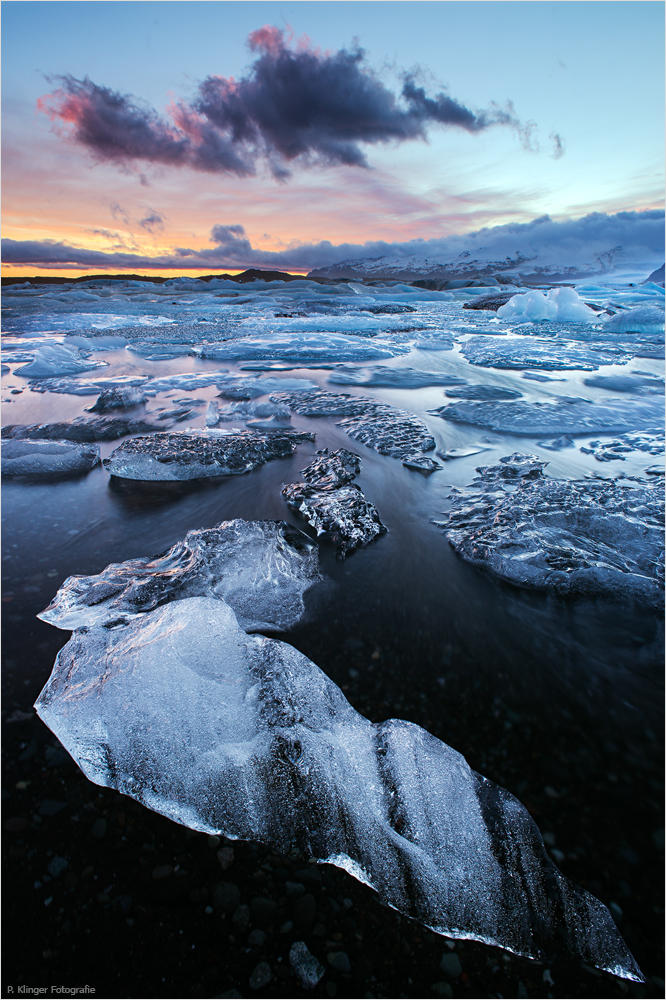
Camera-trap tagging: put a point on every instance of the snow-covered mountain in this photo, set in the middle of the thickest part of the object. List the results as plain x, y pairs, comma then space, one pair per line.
542, 250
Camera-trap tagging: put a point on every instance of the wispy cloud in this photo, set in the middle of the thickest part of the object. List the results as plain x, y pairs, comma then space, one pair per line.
294, 104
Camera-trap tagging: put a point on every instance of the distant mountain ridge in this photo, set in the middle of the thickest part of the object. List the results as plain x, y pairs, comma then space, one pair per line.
542, 250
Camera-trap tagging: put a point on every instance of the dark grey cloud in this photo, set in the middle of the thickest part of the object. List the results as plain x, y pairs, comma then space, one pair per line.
640, 234
295, 103
152, 222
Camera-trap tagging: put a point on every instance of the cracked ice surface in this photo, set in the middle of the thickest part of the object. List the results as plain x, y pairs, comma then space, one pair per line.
591, 536
307, 349
384, 428
244, 736
260, 568
539, 352
564, 416
181, 455
332, 504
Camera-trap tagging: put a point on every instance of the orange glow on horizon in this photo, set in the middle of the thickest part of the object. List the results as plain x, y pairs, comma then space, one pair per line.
20, 272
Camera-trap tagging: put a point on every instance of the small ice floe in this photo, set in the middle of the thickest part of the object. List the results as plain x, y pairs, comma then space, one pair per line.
565, 415
489, 392
277, 414
618, 449
308, 349
551, 354
244, 388
332, 504
590, 536
642, 319
634, 382
118, 397
246, 737
57, 360
35, 460
260, 568
379, 426
183, 455
80, 429
393, 378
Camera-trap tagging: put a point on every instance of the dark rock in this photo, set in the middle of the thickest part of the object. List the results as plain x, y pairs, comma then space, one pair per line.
226, 896
305, 910
308, 969
263, 910
261, 976
490, 302
118, 398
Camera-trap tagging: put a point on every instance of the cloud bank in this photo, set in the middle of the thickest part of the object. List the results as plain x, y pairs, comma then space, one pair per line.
295, 103
639, 235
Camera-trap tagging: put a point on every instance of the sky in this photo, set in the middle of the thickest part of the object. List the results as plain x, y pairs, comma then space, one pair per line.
171, 137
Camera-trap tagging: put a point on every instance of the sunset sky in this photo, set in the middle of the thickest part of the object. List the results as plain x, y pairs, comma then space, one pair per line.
171, 137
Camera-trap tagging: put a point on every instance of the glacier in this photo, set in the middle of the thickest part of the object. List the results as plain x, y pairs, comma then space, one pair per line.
244, 736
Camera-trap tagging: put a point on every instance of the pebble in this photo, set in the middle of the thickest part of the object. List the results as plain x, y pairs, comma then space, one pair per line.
225, 856
308, 969
98, 829
261, 976
442, 989
256, 938
241, 917
226, 896
450, 965
263, 910
305, 909
339, 960
57, 866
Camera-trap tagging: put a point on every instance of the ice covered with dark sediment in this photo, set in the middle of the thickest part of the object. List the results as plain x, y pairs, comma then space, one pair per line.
81, 429
260, 568
189, 454
40, 459
377, 425
245, 737
591, 536
332, 504
565, 415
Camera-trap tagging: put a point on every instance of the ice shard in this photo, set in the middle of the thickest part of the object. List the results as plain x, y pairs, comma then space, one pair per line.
334, 505
244, 736
29, 459
260, 568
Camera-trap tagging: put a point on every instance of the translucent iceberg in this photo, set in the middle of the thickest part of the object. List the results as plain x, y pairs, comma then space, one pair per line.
57, 360
181, 455
590, 536
260, 568
47, 459
557, 304
244, 736
332, 504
